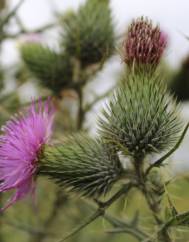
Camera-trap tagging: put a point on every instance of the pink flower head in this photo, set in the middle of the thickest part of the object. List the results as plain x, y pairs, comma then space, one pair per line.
144, 43
20, 146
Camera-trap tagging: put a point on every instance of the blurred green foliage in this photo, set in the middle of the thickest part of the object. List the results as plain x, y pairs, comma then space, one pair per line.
179, 84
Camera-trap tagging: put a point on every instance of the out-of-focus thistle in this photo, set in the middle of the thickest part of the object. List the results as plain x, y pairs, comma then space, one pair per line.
21, 143
83, 165
88, 35
52, 69
144, 44
179, 85
141, 117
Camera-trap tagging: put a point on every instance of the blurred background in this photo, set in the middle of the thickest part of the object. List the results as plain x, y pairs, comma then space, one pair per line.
71, 50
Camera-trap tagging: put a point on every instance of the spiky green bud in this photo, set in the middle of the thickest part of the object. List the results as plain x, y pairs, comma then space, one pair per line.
53, 70
88, 35
141, 117
82, 165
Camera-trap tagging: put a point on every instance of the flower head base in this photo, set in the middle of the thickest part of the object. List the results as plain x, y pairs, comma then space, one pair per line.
20, 145
144, 43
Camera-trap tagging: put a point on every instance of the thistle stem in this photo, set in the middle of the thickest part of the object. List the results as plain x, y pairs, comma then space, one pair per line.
124, 227
141, 176
100, 211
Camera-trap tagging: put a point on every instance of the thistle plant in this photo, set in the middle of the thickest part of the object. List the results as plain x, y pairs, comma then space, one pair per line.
141, 120
87, 40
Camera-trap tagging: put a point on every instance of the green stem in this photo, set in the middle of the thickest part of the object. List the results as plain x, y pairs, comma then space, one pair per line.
162, 235
141, 176
81, 112
123, 227
100, 211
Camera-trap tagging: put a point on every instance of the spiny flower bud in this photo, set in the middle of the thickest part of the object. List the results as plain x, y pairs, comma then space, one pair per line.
144, 43
83, 165
141, 117
52, 69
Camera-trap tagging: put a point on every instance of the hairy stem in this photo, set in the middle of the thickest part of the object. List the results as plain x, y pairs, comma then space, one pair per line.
152, 204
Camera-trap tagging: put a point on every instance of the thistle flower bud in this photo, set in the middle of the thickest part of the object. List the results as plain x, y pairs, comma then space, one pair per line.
82, 165
141, 117
52, 69
144, 43
88, 34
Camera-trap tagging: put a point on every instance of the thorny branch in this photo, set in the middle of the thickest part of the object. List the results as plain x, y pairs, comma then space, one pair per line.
125, 227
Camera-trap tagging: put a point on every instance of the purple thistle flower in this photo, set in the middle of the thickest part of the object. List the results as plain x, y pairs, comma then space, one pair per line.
144, 43
20, 146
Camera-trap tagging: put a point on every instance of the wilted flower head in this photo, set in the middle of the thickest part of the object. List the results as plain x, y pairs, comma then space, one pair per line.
20, 145
144, 43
